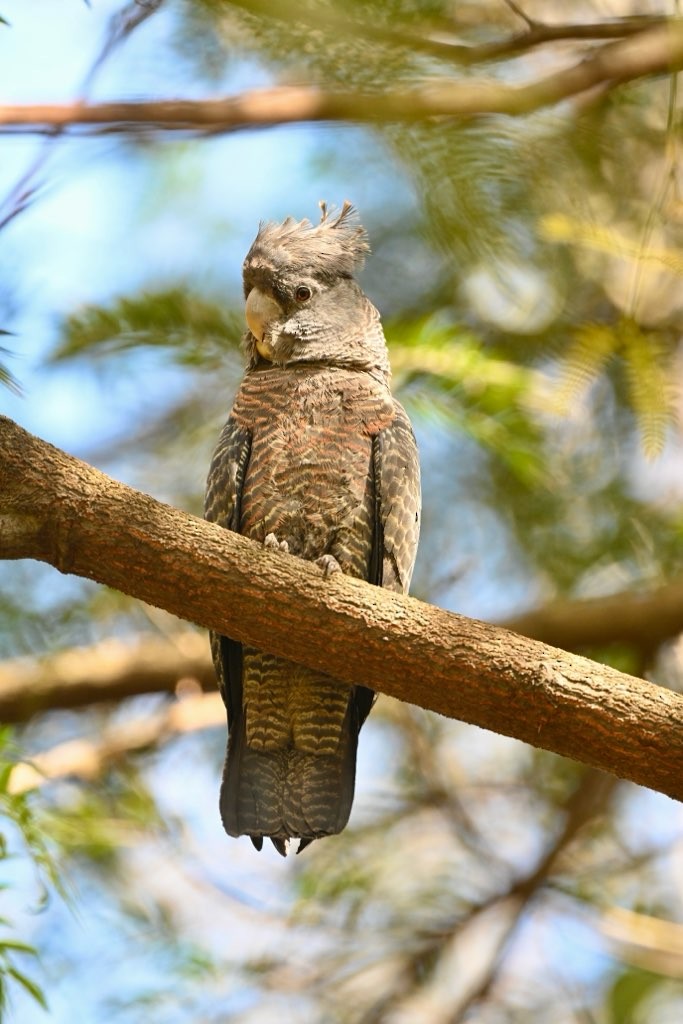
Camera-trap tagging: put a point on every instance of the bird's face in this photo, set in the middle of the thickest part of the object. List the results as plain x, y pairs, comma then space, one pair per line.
282, 311
302, 305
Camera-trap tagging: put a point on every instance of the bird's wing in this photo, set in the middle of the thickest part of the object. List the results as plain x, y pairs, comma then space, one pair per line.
223, 500
396, 471
223, 505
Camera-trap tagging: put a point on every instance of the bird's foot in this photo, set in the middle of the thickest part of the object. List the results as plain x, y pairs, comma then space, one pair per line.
328, 564
271, 543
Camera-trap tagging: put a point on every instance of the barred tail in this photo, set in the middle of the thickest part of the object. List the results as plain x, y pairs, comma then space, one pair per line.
289, 793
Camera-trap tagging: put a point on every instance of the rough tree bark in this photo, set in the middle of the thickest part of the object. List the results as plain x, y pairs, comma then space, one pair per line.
118, 668
59, 510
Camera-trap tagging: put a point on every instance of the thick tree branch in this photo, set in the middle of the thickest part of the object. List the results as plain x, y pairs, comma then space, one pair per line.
116, 669
83, 522
657, 50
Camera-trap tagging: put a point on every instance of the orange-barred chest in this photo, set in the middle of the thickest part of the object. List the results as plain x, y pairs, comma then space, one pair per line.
309, 479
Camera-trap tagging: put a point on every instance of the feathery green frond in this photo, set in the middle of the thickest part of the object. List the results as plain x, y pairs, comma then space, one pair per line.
444, 370
611, 241
646, 361
7, 378
590, 349
197, 330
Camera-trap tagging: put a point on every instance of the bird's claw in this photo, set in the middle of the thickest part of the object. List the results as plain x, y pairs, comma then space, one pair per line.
271, 543
328, 564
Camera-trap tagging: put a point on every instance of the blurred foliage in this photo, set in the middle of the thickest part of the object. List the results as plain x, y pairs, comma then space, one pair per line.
528, 272
17, 813
443, 370
81, 832
197, 331
7, 379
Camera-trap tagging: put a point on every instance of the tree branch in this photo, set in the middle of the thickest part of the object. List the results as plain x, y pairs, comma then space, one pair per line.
108, 671
443, 43
85, 523
658, 50
121, 25
640, 620
86, 759
116, 669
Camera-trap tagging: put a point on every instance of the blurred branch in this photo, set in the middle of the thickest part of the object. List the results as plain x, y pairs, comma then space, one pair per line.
59, 510
108, 671
116, 669
655, 51
648, 942
437, 43
588, 800
86, 759
640, 620
449, 941
121, 24
516, 9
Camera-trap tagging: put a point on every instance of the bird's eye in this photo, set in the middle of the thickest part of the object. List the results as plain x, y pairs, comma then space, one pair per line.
303, 293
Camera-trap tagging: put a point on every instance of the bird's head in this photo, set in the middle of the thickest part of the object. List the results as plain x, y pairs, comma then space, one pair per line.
302, 303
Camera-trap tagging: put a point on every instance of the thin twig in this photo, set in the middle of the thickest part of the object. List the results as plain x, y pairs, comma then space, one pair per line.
121, 25
590, 798
516, 9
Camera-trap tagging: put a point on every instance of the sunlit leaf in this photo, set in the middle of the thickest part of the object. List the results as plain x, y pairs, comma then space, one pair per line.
630, 992
561, 228
649, 384
30, 986
591, 347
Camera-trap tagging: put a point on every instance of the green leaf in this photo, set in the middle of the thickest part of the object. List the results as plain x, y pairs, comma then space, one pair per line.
649, 380
7, 378
446, 371
30, 986
197, 329
592, 346
628, 994
17, 946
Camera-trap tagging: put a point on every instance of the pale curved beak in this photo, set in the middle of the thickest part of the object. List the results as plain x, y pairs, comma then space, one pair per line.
260, 311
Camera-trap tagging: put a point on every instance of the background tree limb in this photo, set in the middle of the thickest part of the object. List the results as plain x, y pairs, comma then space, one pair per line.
656, 50
640, 620
108, 671
86, 758
444, 41
59, 510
